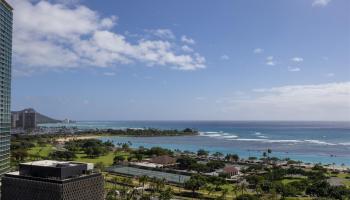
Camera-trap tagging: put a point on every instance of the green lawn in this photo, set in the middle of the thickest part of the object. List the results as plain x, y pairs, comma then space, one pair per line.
289, 180
81, 157
107, 160
345, 180
41, 151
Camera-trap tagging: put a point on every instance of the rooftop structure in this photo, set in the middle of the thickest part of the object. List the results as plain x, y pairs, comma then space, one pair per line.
54, 180
54, 169
163, 160
231, 170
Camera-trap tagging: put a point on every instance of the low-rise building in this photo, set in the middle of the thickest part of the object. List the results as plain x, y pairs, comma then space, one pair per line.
54, 180
231, 170
163, 160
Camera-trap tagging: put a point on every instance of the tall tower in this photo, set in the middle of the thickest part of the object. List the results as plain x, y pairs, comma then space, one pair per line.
5, 84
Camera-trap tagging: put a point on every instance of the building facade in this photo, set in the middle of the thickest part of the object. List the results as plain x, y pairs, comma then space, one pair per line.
5, 84
54, 180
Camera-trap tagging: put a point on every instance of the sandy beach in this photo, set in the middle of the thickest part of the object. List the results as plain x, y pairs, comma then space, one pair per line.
69, 138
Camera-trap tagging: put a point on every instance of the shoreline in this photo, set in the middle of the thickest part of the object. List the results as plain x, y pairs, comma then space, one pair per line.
103, 137
70, 138
99, 136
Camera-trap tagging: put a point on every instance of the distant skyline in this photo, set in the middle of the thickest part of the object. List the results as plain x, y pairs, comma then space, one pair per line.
182, 60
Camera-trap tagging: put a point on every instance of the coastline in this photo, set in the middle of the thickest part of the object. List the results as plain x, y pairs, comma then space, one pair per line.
310, 142
102, 137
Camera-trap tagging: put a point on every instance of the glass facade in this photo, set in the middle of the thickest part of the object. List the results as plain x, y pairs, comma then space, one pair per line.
5, 84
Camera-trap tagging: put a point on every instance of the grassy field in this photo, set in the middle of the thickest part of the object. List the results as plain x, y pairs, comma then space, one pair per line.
346, 179
290, 180
41, 151
107, 160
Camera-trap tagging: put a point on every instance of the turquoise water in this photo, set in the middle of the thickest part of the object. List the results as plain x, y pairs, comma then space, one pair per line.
326, 142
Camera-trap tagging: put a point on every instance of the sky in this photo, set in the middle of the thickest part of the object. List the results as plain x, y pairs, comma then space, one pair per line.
182, 60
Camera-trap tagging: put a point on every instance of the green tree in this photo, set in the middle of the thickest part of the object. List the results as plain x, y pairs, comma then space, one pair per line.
195, 183
143, 180
209, 188
243, 187
247, 197
100, 166
224, 192
217, 155
235, 189
202, 152
62, 155
232, 157
166, 194
119, 158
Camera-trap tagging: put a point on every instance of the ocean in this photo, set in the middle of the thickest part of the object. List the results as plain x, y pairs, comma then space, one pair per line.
311, 142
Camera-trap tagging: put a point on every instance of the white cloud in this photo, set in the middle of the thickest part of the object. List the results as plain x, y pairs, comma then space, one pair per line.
297, 59
321, 3
186, 48
330, 74
200, 98
294, 69
270, 61
109, 74
46, 38
329, 101
187, 40
258, 50
225, 57
162, 33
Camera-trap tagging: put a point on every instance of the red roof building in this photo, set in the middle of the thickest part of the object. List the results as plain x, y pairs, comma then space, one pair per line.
163, 160
231, 170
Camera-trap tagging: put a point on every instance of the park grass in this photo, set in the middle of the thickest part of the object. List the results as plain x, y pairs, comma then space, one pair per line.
286, 181
42, 151
346, 181
290, 180
107, 159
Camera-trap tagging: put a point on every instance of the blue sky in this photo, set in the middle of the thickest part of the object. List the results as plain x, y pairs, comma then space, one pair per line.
183, 60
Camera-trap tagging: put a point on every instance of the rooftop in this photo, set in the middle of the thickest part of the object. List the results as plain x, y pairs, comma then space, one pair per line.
229, 169
52, 163
51, 169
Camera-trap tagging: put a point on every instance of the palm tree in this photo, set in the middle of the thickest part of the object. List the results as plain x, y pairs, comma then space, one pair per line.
160, 183
224, 192
235, 189
132, 194
269, 151
153, 184
243, 187
166, 194
210, 188
143, 180
115, 180
264, 154
127, 181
